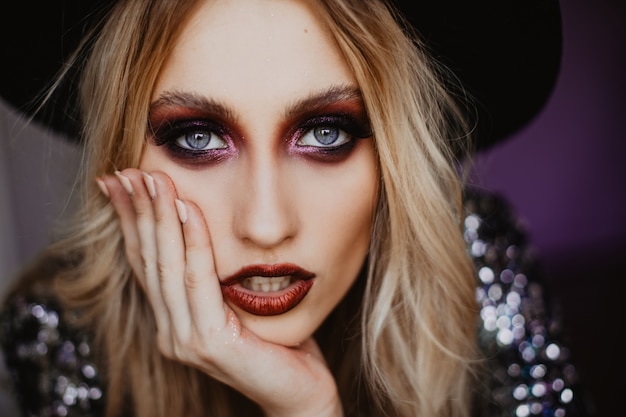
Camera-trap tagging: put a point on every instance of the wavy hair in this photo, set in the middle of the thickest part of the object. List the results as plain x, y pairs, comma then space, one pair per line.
411, 317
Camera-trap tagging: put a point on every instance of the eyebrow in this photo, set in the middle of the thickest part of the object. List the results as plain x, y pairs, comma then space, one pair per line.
319, 100
191, 101
315, 101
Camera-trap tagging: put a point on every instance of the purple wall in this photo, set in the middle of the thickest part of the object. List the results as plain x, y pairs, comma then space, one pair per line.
565, 175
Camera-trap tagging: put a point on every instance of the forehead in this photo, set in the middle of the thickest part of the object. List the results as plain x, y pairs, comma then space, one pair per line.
247, 52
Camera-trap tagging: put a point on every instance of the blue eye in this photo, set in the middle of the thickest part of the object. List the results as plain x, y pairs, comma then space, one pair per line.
200, 140
324, 137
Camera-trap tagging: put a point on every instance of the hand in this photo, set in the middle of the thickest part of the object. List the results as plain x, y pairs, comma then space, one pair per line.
169, 248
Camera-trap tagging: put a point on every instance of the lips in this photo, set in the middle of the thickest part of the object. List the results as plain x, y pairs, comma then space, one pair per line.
268, 290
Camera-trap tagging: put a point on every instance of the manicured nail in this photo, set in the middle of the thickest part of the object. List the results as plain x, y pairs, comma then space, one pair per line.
182, 211
102, 186
149, 181
125, 183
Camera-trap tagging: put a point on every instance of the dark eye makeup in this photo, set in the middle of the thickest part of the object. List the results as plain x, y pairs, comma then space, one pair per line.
329, 137
191, 140
324, 130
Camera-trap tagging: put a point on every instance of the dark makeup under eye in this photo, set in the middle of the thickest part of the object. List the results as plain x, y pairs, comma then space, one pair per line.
170, 132
345, 125
194, 135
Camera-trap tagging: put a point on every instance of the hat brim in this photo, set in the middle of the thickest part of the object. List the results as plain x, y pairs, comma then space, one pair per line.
505, 53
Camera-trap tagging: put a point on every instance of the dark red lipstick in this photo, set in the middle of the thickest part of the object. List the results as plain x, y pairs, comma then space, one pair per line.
268, 290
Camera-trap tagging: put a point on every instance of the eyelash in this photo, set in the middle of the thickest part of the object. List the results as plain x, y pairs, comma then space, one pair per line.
349, 129
170, 133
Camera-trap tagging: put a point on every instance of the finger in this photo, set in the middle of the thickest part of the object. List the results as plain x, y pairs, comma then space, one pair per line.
170, 252
132, 181
120, 200
206, 302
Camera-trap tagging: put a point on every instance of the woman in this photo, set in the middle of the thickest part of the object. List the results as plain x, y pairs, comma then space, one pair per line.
271, 224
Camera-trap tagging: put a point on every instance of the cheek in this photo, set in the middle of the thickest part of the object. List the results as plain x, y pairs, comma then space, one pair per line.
150, 159
206, 190
341, 217
347, 218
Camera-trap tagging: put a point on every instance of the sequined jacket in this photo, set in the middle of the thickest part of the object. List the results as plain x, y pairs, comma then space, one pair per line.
52, 365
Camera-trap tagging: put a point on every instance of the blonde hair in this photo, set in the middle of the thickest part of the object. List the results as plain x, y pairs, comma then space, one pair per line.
419, 318
410, 348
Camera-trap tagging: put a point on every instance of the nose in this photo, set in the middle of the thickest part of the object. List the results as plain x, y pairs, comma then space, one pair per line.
265, 213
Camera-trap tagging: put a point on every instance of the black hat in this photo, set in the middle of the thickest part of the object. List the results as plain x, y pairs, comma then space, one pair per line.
37, 39
506, 54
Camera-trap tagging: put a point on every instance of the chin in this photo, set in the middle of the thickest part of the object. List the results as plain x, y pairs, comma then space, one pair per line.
288, 329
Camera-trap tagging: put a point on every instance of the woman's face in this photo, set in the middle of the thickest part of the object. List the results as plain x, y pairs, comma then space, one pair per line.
257, 118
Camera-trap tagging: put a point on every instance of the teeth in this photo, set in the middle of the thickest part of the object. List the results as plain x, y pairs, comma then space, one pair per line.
266, 284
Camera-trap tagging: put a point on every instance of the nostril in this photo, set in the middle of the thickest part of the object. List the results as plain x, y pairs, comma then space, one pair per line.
266, 223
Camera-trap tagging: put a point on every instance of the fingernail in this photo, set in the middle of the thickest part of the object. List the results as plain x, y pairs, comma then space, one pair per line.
182, 211
149, 181
125, 183
102, 187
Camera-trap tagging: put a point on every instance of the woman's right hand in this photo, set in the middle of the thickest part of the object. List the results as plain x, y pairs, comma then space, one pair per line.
169, 248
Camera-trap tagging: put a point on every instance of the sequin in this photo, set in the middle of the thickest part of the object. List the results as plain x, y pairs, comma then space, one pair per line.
49, 360
55, 372
516, 329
